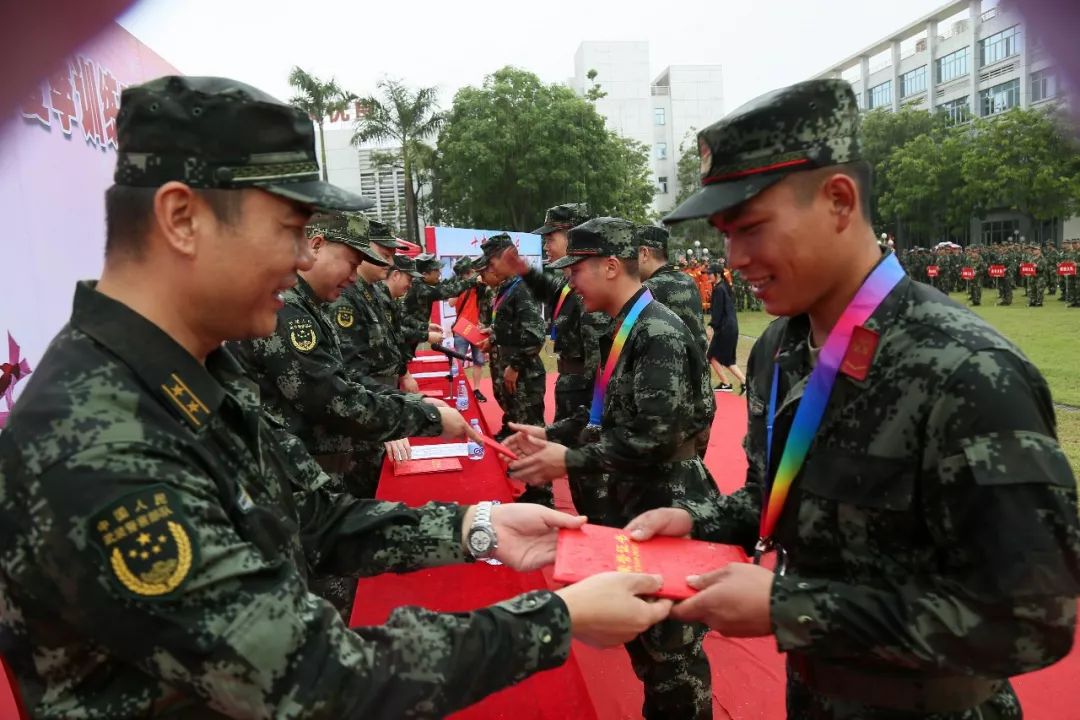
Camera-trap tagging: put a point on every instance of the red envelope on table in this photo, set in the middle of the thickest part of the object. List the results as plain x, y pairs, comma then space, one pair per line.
427, 465
595, 549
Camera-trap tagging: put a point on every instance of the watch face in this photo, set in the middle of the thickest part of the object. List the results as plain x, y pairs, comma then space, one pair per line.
479, 542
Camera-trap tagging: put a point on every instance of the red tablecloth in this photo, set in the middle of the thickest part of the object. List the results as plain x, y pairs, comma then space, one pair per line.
557, 694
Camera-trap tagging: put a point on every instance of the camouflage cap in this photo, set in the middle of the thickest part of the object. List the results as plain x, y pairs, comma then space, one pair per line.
563, 217
808, 125
463, 265
352, 229
491, 248
427, 262
211, 132
383, 234
599, 237
653, 237
407, 265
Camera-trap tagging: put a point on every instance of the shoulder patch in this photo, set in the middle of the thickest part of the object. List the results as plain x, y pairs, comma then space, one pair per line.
302, 334
345, 317
146, 541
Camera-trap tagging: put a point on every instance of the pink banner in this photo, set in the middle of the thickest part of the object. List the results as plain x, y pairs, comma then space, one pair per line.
57, 155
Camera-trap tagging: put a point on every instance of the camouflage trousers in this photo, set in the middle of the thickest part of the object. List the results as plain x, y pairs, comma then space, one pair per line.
587, 491
524, 406
1005, 291
1035, 290
1073, 292
806, 704
975, 292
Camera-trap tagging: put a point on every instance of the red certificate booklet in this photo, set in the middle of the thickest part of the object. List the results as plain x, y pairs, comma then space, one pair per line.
595, 549
428, 465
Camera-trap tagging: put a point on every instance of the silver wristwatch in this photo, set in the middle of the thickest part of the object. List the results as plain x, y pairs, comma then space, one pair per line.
481, 539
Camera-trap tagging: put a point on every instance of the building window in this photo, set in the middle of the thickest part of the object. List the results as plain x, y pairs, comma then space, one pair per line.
952, 66
999, 46
958, 111
1000, 98
661, 184
1043, 85
880, 95
999, 231
913, 82
661, 151
660, 116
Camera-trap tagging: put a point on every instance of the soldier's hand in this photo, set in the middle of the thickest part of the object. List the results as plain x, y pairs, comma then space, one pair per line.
398, 450
517, 264
519, 441
527, 533
408, 383
674, 522
546, 462
510, 378
608, 610
435, 337
733, 600
455, 426
434, 327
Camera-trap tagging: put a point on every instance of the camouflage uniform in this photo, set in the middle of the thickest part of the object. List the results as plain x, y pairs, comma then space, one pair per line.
658, 401
672, 288
303, 380
933, 545
421, 296
974, 259
156, 529
122, 434
1036, 287
576, 336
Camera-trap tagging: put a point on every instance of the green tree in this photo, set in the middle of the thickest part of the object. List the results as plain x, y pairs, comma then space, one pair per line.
1026, 161
594, 93
405, 117
515, 146
685, 234
319, 99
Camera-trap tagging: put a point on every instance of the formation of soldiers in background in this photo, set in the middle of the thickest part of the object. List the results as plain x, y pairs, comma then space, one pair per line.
1039, 270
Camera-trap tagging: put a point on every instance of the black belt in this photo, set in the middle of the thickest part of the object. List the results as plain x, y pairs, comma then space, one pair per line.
571, 366
913, 693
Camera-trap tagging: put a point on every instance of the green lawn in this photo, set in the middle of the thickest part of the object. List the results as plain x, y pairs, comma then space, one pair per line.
1049, 336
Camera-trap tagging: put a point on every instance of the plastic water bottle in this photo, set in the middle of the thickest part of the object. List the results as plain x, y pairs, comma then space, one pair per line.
476, 450
453, 368
462, 402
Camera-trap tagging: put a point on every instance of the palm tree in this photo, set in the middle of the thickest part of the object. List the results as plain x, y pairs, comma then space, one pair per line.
318, 99
405, 117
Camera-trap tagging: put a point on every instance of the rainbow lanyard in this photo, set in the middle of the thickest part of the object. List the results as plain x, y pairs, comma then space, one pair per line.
812, 406
502, 298
596, 412
558, 306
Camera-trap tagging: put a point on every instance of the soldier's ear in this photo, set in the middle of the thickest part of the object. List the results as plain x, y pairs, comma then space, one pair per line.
176, 207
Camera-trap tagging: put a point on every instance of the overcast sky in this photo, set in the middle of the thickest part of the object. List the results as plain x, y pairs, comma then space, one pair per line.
761, 44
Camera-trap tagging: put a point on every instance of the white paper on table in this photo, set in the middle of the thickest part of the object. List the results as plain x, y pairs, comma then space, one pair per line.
444, 373
430, 358
441, 450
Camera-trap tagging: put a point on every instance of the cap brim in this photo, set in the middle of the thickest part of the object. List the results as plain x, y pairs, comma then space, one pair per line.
370, 256
544, 230
320, 195
391, 243
712, 199
567, 260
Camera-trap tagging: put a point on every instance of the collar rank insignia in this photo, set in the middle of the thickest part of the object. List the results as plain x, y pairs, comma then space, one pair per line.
189, 405
302, 334
146, 541
345, 317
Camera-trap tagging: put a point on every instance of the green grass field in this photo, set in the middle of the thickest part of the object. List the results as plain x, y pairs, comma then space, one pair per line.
1049, 336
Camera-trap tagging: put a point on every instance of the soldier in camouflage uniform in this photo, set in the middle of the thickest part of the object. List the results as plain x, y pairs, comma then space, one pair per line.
576, 335
1072, 284
975, 260
1036, 287
673, 289
642, 436
931, 535
1007, 257
156, 526
400, 278
422, 295
517, 336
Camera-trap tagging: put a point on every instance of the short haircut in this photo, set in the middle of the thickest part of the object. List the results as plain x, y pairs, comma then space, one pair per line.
129, 211
808, 182
631, 266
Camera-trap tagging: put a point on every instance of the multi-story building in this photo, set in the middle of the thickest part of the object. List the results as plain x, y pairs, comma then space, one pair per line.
969, 59
661, 113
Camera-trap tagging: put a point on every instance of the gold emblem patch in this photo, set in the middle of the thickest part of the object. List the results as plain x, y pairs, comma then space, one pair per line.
345, 317
146, 541
302, 334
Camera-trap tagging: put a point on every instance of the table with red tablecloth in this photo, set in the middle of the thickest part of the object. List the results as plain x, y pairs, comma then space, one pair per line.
556, 694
